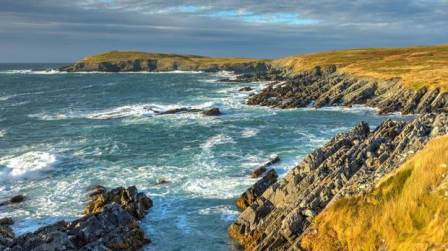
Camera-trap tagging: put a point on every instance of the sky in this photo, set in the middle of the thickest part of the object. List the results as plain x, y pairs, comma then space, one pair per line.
67, 30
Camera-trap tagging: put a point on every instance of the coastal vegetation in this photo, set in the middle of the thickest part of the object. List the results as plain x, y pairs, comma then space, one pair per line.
422, 66
407, 211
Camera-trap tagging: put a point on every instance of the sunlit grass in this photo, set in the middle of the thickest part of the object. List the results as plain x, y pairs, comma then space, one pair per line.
408, 210
417, 66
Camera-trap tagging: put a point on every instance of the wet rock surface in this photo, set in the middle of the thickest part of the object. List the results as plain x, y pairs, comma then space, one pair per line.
325, 86
349, 164
110, 223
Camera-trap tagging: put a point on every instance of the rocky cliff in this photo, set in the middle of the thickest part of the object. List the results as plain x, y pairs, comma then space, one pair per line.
117, 61
349, 164
325, 86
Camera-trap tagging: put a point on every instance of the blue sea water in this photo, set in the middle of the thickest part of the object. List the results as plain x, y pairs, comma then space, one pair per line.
61, 133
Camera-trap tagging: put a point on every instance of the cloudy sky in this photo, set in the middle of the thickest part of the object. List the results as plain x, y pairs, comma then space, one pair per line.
66, 30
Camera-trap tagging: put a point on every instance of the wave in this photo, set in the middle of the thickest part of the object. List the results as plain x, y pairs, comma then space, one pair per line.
28, 164
219, 188
226, 74
249, 132
217, 140
126, 111
30, 71
345, 109
226, 212
2, 133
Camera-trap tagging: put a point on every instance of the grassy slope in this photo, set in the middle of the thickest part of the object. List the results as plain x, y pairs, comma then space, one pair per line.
416, 66
407, 211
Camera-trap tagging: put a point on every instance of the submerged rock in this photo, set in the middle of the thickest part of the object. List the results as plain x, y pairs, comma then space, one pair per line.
212, 112
110, 223
350, 164
246, 89
13, 200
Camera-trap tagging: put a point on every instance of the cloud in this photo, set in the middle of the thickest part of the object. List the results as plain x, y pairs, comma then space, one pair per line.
56, 30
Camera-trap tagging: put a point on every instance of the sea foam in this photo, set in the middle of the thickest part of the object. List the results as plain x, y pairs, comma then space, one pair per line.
28, 164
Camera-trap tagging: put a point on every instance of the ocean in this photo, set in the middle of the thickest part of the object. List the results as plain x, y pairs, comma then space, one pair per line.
62, 133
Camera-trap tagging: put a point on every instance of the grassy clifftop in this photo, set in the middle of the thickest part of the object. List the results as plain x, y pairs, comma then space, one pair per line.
408, 210
417, 66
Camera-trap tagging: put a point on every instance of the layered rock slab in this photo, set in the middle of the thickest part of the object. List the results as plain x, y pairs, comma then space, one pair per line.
349, 164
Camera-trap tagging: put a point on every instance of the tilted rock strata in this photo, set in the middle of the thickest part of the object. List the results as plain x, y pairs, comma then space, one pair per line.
325, 86
111, 224
347, 165
253, 192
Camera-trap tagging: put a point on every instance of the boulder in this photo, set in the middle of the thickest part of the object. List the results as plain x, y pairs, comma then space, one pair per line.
137, 204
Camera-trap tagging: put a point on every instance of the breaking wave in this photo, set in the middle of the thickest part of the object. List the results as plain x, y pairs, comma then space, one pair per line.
28, 164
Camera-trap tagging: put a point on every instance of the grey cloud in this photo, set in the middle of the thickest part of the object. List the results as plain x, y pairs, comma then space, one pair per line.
51, 30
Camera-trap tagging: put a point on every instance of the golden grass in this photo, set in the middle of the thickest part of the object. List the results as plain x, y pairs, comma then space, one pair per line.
417, 66
407, 211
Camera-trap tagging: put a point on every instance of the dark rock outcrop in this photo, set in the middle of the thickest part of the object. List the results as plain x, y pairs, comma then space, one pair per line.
110, 223
325, 86
349, 164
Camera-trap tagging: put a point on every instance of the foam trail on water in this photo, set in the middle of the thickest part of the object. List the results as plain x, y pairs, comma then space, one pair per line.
249, 132
28, 164
217, 140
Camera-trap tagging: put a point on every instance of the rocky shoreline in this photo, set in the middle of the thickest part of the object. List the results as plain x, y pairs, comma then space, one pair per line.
325, 86
348, 165
110, 222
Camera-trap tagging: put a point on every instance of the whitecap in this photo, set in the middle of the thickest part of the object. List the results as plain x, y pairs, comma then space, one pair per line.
2, 133
226, 74
226, 212
249, 132
30, 71
217, 140
28, 164
219, 188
